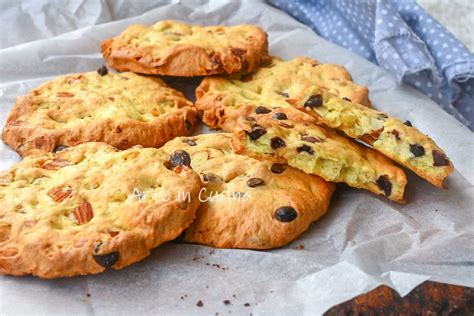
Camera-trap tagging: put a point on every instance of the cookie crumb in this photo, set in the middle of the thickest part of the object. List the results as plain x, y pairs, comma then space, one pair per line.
226, 302
300, 247
88, 295
234, 296
199, 304
247, 304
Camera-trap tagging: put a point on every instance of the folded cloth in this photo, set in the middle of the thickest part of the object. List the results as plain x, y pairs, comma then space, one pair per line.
403, 39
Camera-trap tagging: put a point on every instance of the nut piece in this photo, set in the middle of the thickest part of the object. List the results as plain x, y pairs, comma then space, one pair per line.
83, 213
60, 194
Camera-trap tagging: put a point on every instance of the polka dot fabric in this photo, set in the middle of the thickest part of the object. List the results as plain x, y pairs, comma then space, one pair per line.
403, 39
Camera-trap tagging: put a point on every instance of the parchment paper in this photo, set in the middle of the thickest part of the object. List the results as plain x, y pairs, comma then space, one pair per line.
363, 242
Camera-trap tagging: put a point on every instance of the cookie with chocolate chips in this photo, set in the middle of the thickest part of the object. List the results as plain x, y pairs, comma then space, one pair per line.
173, 48
276, 85
91, 207
122, 110
321, 151
249, 203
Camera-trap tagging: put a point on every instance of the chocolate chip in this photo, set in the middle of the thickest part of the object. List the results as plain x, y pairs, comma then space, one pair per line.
346, 99
277, 142
285, 214
262, 110
211, 177
255, 182
396, 134
180, 158
383, 182
199, 304
278, 168
305, 148
256, 132
188, 125
107, 260
407, 123
279, 116
314, 101
285, 125
310, 139
284, 94
417, 150
439, 158
60, 148
190, 142
102, 71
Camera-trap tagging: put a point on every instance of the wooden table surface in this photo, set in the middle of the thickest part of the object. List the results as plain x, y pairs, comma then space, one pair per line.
429, 298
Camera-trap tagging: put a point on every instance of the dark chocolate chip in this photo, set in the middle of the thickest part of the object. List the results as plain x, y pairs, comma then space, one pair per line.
211, 177
314, 101
188, 125
60, 148
102, 71
310, 139
284, 94
282, 124
262, 110
407, 123
279, 116
396, 134
255, 182
107, 260
417, 150
278, 168
305, 148
190, 142
346, 99
199, 304
285, 214
256, 132
383, 182
277, 142
180, 158
439, 158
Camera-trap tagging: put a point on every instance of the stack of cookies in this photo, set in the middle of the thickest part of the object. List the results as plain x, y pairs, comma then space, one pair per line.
110, 170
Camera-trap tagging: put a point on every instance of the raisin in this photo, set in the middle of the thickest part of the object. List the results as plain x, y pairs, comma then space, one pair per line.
285, 214
417, 150
180, 158
383, 182
107, 260
278, 168
282, 124
255, 182
310, 139
407, 123
277, 142
279, 116
314, 101
256, 132
237, 51
284, 94
190, 142
439, 158
305, 148
396, 134
102, 71
346, 99
60, 148
262, 110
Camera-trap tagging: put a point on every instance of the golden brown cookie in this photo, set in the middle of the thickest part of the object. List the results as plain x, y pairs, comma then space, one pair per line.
120, 109
92, 207
248, 203
318, 150
177, 49
223, 100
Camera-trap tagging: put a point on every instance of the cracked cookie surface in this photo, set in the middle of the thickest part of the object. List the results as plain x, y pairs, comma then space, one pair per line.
91, 207
249, 203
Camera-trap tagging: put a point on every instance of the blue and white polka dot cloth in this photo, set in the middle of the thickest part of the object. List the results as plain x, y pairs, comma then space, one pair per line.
403, 39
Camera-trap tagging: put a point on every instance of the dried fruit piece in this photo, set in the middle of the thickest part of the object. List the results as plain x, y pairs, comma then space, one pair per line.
279, 116
383, 182
396, 134
255, 182
285, 214
314, 101
277, 142
237, 51
417, 150
346, 99
439, 158
278, 168
60, 194
256, 132
102, 71
180, 158
262, 110
64, 95
56, 164
83, 213
407, 123
107, 260
305, 148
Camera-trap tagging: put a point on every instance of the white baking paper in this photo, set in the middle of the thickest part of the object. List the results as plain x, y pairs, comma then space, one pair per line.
363, 242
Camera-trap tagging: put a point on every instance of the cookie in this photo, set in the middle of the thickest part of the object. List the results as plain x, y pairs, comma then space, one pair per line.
223, 100
397, 140
248, 203
92, 207
177, 49
120, 109
318, 150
